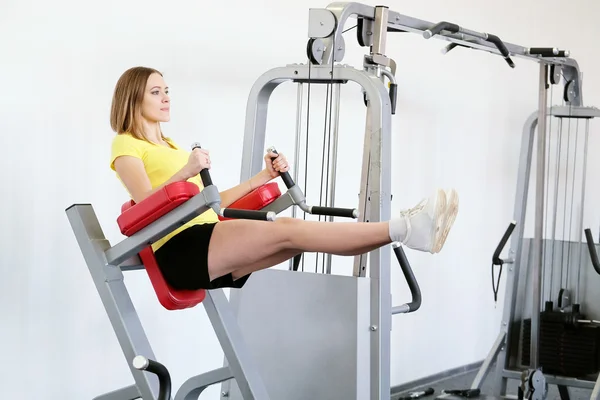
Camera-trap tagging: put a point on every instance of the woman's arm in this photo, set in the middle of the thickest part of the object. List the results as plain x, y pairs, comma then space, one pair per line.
230, 195
133, 175
275, 164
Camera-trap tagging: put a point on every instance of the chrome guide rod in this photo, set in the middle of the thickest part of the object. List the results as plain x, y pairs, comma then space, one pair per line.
539, 216
298, 137
333, 166
582, 207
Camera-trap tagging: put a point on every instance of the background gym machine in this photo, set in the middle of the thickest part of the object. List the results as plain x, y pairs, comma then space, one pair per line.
279, 309
550, 332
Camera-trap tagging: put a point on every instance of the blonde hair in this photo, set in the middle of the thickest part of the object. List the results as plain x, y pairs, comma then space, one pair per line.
126, 108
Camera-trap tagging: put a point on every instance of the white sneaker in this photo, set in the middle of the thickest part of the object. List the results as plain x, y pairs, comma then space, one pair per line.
450, 214
429, 222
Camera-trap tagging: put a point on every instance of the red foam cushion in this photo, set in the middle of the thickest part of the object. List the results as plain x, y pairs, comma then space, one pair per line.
136, 216
132, 219
169, 297
257, 199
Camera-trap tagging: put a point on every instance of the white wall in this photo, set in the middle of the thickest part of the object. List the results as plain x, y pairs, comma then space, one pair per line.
459, 123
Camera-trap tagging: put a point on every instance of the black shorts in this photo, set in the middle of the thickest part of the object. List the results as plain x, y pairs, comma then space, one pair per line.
183, 260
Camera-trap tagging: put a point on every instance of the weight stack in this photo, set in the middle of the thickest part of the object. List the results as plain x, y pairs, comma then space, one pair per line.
566, 348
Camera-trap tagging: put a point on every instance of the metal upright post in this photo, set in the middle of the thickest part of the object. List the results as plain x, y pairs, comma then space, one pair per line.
539, 217
336, 92
297, 141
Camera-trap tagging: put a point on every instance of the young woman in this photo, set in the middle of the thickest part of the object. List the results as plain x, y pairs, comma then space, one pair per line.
206, 253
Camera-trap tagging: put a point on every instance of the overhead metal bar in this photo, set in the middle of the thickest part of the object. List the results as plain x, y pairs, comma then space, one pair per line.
327, 24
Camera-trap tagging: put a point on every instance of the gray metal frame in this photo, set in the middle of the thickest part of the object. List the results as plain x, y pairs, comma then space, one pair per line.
331, 29
328, 46
107, 263
376, 195
505, 353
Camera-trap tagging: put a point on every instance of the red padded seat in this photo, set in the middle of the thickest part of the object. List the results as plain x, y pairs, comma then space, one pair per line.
134, 217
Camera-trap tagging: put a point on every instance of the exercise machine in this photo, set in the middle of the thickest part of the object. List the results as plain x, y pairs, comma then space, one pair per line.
272, 331
289, 319
557, 267
150, 220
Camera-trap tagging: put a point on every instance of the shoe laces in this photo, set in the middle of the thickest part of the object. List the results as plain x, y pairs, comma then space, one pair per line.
411, 212
407, 214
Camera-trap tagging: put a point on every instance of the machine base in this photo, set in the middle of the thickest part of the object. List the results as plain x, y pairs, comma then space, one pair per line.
308, 333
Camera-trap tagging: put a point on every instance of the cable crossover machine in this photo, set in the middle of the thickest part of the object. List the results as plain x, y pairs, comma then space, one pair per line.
276, 332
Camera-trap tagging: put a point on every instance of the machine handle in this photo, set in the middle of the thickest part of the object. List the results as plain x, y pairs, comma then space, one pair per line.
439, 27
454, 28
204, 174
286, 177
235, 213
548, 52
544, 51
592, 249
501, 48
496, 260
164, 378
417, 394
413, 285
393, 96
334, 211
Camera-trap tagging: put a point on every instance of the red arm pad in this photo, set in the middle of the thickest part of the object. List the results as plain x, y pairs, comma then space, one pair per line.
256, 199
132, 219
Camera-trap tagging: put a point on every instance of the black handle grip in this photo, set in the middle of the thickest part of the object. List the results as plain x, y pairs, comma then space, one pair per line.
393, 96
164, 378
204, 174
417, 394
235, 213
592, 249
410, 279
496, 257
502, 48
548, 52
441, 26
544, 51
334, 211
286, 177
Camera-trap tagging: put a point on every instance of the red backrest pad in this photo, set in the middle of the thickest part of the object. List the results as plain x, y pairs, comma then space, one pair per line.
132, 219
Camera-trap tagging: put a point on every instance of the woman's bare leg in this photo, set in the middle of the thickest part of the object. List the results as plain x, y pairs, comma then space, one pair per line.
268, 262
274, 260
237, 244
245, 246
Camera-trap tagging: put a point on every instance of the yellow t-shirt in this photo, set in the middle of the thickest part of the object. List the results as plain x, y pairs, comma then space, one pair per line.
160, 163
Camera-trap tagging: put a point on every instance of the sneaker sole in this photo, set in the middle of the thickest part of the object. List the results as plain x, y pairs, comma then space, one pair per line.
449, 216
440, 217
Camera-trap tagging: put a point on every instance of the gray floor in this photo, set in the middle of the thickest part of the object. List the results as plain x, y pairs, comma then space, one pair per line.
464, 380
